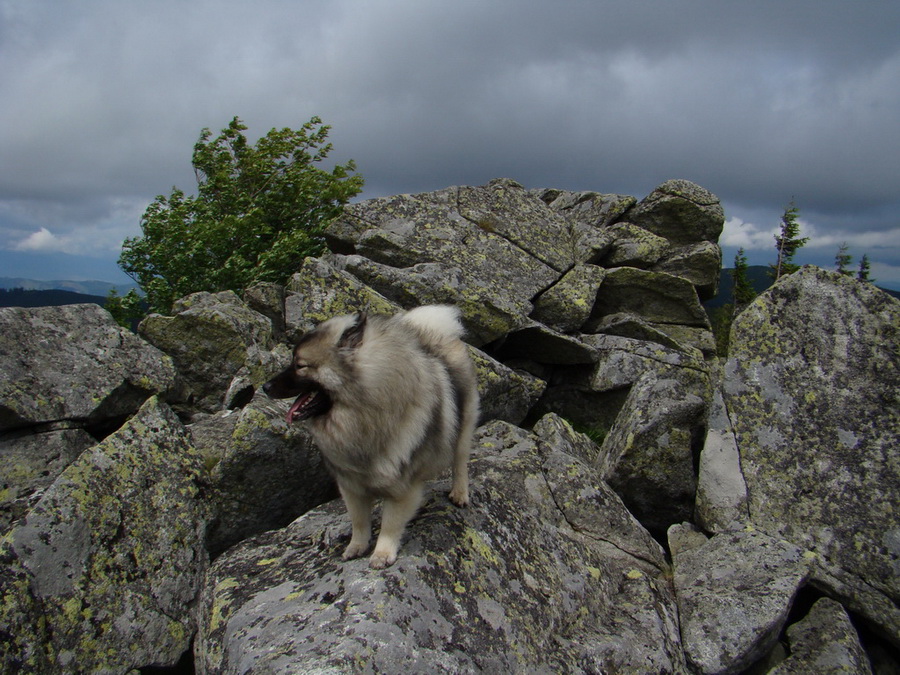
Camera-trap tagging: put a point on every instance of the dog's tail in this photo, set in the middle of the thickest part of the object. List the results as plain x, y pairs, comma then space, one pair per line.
438, 323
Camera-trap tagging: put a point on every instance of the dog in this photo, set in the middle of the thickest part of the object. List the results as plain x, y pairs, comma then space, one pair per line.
391, 401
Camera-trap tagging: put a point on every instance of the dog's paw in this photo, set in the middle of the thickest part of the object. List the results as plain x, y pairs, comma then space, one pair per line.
459, 497
355, 550
382, 559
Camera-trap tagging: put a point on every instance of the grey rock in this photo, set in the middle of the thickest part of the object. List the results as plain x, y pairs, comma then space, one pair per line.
811, 390
824, 643
591, 208
622, 361
680, 211
320, 291
699, 263
567, 305
73, 363
101, 574
210, 337
506, 394
734, 592
721, 489
268, 299
504, 207
648, 455
269, 474
633, 326
488, 312
406, 230
513, 584
31, 461
541, 344
556, 432
654, 296
633, 246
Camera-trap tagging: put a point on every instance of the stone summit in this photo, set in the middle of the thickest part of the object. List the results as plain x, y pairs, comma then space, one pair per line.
638, 505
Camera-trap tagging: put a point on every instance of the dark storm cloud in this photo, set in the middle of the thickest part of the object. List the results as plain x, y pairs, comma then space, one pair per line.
101, 102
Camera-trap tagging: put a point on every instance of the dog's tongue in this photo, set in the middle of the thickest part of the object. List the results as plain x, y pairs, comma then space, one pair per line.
297, 406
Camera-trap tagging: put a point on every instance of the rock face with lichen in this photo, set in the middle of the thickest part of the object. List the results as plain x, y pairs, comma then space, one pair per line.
638, 506
550, 573
101, 574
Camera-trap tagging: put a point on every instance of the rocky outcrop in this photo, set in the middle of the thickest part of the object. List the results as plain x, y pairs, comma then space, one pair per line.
69, 376
811, 389
101, 574
550, 573
637, 506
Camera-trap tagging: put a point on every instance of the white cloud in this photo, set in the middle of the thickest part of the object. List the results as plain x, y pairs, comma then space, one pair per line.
740, 234
42, 240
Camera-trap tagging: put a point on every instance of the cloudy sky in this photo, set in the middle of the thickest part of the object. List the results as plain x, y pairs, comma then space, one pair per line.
760, 102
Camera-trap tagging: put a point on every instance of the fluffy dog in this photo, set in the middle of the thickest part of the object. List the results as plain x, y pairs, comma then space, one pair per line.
390, 402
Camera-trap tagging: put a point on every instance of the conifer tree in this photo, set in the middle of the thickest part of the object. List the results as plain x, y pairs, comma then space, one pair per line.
843, 259
787, 243
742, 291
863, 273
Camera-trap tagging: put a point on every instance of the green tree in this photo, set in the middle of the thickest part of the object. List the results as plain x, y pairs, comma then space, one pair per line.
742, 291
864, 270
787, 243
126, 309
258, 211
843, 259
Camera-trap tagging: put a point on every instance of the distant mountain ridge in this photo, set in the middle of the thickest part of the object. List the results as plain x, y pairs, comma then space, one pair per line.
19, 297
90, 287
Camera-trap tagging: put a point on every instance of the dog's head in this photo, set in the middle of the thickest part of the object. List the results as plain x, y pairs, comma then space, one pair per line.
321, 364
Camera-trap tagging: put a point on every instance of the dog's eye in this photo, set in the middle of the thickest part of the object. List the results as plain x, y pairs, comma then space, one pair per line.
300, 366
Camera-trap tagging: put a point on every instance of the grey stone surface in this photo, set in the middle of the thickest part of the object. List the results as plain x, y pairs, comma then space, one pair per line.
734, 592
811, 389
546, 572
101, 574
73, 363
210, 337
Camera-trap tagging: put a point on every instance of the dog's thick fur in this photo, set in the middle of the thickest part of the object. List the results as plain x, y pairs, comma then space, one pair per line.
390, 402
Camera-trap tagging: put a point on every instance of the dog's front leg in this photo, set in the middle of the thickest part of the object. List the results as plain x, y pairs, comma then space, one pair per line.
359, 506
397, 512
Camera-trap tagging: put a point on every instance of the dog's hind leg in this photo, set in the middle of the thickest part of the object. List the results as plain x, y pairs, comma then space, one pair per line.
359, 506
397, 512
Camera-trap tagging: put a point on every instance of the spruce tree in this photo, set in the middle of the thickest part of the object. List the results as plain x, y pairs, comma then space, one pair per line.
863, 273
742, 291
787, 243
842, 260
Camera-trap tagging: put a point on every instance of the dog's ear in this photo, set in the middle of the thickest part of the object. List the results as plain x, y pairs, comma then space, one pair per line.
352, 337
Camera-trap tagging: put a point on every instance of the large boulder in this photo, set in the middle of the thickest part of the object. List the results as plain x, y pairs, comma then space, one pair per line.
680, 211
547, 572
31, 461
212, 338
101, 575
74, 363
266, 475
811, 390
734, 592
469, 250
